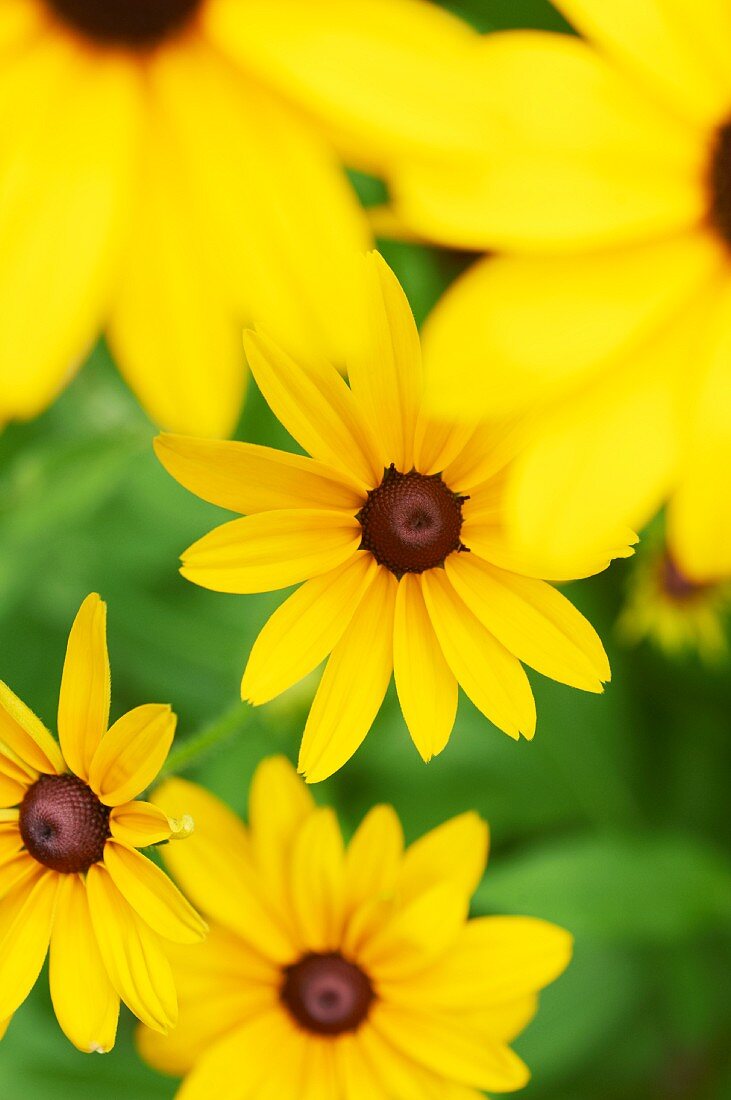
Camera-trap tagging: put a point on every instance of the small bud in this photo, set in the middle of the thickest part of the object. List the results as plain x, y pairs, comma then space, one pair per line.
181, 827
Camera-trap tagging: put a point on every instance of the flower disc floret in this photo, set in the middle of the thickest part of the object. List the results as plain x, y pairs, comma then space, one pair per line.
140, 23
326, 994
411, 522
63, 824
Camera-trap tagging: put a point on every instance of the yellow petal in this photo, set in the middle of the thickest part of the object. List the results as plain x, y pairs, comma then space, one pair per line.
445, 1046
455, 851
246, 478
19, 22
271, 550
357, 1074
173, 329
675, 48
215, 869
26, 737
492, 678
279, 804
152, 895
700, 514
132, 753
83, 706
439, 442
399, 1074
139, 824
12, 789
353, 685
572, 154
317, 408
498, 960
373, 858
427, 688
306, 628
508, 332
318, 881
495, 544
606, 456
385, 367
132, 953
26, 916
63, 210
84, 999
393, 77
220, 984
263, 1054
416, 933
533, 621
284, 249
17, 868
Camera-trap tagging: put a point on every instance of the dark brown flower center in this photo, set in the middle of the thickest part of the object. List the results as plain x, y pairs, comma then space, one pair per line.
675, 583
720, 183
326, 994
411, 522
63, 824
135, 23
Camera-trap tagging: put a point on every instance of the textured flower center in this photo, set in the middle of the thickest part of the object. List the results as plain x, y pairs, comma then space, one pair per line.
720, 183
411, 522
140, 23
63, 823
326, 994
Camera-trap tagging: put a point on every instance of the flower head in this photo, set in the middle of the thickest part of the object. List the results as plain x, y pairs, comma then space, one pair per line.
395, 526
679, 615
604, 177
70, 871
336, 971
173, 168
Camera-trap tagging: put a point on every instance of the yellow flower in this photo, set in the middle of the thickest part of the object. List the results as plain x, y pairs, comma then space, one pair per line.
336, 973
70, 872
675, 613
605, 174
171, 169
395, 526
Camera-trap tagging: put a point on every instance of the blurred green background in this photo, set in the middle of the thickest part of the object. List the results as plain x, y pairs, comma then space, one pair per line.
615, 822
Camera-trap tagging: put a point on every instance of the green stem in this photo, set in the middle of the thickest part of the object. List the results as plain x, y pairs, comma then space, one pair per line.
195, 748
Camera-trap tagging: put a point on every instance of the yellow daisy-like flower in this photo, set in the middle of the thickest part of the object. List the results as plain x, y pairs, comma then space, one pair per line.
395, 526
605, 173
336, 973
70, 871
171, 169
677, 614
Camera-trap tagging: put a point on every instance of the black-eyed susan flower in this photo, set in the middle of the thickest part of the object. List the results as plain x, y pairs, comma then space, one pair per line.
604, 174
343, 973
71, 874
395, 526
675, 613
171, 169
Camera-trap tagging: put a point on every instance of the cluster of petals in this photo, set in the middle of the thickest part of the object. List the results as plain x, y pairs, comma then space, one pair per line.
108, 925
604, 178
172, 169
469, 621
447, 994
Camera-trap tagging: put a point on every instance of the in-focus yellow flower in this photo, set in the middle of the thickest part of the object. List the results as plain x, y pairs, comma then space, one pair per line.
171, 170
605, 173
336, 973
395, 526
677, 614
70, 871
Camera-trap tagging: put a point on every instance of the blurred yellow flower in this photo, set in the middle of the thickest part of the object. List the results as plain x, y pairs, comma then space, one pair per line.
70, 872
605, 171
171, 169
337, 973
677, 614
395, 525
